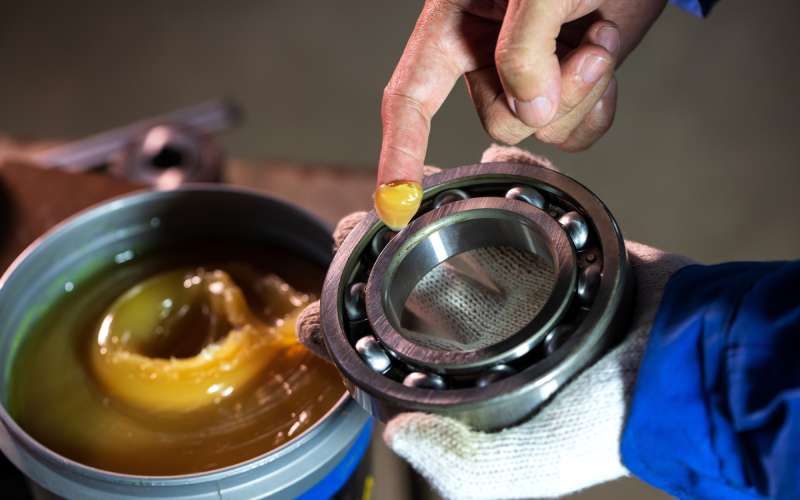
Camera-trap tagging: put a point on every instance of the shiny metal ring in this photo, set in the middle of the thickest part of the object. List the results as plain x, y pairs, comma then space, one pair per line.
451, 230
530, 208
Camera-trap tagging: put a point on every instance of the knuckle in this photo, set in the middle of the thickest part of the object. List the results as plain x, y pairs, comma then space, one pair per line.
504, 129
600, 121
513, 63
575, 146
394, 101
552, 135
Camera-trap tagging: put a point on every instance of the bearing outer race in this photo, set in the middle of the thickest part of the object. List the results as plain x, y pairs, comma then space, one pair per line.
510, 400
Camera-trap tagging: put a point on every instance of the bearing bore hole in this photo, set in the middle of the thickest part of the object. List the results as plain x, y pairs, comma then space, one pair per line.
471, 284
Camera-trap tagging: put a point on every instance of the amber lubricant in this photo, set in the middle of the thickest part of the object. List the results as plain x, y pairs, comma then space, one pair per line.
163, 310
164, 368
397, 202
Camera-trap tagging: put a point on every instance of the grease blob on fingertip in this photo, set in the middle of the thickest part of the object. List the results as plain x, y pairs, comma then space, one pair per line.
397, 202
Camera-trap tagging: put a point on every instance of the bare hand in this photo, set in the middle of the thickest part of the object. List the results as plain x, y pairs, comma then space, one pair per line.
533, 67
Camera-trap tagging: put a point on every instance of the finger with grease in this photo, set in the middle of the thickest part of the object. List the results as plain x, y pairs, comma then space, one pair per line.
396, 202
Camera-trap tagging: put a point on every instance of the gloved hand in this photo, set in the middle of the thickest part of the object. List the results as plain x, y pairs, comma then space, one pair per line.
570, 444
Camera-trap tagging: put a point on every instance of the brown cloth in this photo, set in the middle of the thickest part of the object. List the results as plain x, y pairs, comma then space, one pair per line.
32, 200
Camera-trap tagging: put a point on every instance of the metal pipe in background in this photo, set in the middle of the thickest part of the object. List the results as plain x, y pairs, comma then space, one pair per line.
206, 118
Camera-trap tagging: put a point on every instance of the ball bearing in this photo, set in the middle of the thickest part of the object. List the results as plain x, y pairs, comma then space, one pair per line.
424, 380
372, 354
449, 196
575, 227
528, 195
495, 380
354, 302
495, 373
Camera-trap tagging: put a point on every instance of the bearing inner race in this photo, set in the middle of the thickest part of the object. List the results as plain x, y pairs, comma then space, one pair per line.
454, 229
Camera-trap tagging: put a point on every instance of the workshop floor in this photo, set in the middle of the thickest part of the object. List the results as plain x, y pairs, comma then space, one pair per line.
703, 158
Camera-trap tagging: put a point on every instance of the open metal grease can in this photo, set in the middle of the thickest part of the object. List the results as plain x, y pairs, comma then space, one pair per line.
92, 404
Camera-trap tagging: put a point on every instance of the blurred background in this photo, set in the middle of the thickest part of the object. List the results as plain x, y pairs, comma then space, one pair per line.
702, 159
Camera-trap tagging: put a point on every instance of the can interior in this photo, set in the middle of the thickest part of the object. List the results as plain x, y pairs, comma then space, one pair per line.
88, 243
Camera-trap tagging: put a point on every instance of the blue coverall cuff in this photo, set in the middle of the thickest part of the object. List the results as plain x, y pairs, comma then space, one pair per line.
699, 8
716, 408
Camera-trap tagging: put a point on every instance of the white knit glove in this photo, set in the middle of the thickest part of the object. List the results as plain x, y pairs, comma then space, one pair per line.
570, 444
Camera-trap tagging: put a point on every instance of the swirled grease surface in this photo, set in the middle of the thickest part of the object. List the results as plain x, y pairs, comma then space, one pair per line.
165, 366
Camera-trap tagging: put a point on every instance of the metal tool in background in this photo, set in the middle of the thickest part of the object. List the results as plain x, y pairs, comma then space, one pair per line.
504, 373
164, 151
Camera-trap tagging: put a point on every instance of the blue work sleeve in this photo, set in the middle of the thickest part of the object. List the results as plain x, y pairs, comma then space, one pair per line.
697, 7
716, 408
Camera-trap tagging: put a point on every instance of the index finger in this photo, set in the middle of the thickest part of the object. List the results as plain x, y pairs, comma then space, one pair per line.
426, 73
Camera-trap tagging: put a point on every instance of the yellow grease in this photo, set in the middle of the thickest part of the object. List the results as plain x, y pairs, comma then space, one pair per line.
161, 310
56, 396
397, 202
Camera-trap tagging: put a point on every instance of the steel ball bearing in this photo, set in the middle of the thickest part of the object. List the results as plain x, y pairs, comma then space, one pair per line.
495, 380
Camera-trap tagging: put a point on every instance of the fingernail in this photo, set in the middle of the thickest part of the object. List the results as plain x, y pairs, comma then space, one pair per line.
592, 68
512, 104
608, 38
537, 112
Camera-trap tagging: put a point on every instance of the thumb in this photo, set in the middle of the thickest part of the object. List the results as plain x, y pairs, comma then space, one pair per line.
526, 57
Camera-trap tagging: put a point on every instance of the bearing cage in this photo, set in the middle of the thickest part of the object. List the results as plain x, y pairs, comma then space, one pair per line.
486, 397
